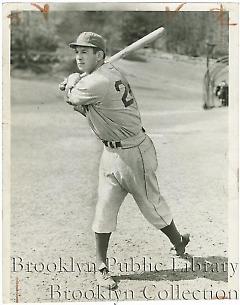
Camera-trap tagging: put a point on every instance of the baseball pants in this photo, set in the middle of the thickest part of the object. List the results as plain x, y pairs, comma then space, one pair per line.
133, 171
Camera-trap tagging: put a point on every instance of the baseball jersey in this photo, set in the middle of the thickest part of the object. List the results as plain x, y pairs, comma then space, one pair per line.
109, 104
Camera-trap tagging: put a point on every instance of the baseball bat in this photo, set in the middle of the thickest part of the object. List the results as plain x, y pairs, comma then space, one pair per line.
131, 48
137, 45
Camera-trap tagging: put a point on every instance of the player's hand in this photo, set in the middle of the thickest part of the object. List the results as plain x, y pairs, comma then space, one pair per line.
63, 84
72, 80
69, 82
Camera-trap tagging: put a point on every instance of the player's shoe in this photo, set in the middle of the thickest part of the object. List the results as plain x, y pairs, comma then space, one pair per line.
104, 279
180, 248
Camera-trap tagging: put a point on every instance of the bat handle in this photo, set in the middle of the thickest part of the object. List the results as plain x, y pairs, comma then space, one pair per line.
62, 85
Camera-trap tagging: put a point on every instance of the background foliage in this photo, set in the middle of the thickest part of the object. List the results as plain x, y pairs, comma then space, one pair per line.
39, 43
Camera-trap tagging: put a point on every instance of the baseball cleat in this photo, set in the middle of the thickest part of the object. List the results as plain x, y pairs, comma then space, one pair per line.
180, 248
104, 279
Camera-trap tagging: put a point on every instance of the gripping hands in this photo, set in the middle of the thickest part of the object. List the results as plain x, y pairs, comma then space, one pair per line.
69, 82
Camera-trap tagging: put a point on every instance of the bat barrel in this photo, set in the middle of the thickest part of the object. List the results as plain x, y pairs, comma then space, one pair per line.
137, 44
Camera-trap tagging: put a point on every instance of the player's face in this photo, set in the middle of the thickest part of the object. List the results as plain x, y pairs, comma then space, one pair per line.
86, 59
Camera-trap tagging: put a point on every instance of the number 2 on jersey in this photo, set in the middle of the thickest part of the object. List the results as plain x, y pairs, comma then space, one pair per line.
127, 91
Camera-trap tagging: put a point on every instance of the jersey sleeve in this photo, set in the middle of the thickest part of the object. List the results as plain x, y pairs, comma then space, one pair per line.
89, 90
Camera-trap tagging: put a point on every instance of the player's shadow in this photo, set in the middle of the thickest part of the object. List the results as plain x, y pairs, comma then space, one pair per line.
214, 268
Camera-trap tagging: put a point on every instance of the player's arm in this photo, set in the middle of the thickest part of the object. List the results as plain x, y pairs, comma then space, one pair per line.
89, 90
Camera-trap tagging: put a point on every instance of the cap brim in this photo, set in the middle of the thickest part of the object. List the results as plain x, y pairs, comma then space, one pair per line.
74, 45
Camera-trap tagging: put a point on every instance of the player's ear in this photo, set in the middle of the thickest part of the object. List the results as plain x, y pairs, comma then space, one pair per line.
100, 55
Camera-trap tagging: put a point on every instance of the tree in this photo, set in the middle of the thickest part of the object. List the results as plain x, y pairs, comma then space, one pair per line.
32, 40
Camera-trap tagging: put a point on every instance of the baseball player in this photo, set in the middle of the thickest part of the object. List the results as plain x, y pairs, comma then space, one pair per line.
128, 162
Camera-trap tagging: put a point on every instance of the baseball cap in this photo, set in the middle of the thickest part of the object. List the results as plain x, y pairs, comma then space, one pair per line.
89, 39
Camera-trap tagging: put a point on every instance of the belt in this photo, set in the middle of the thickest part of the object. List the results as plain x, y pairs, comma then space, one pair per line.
112, 144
